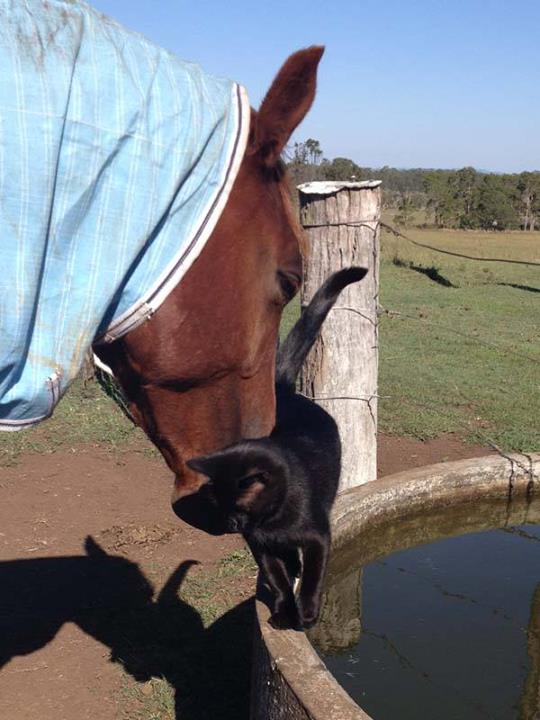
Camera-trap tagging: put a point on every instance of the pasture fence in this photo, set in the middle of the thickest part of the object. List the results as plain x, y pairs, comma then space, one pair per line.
443, 251
341, 232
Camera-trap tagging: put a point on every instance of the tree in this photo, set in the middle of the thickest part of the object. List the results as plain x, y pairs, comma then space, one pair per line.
305, 164
341, 169
405, 213
465, 181
442, 198
528, 187
493, 207
314, 152
464, 198
300, 156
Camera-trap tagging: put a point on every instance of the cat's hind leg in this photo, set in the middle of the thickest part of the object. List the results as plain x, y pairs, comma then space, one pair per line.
315, 557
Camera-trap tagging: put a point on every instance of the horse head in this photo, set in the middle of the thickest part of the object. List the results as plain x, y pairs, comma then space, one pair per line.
200, 373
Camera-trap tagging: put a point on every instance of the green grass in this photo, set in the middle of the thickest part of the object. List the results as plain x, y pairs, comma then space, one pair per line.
210, 593
463, 359
239, 563
198, 651
85, 415
155, 700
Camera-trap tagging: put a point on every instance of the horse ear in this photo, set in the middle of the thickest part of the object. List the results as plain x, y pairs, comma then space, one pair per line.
286, 103
93, 550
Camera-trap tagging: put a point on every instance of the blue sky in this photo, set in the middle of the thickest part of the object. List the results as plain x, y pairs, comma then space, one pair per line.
417, 83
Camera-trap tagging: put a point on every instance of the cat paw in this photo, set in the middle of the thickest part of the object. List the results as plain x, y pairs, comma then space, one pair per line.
285, 620
309, 614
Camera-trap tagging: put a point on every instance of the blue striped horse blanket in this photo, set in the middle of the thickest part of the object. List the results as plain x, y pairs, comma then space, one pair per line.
116, 160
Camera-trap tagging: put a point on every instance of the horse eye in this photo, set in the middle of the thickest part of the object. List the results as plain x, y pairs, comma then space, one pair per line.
289, 284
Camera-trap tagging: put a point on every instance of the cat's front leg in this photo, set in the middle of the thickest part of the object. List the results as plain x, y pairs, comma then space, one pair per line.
315, 557
284, 610
293, 564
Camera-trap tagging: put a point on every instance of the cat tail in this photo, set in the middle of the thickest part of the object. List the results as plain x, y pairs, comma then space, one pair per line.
294, 350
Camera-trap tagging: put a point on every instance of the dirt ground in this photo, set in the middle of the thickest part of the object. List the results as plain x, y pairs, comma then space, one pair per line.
91, 560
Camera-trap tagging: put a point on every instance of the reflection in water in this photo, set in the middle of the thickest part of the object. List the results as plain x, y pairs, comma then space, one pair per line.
449, 629
340, 624
530, 704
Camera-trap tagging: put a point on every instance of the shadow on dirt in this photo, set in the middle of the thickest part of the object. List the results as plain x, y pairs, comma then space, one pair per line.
109, 598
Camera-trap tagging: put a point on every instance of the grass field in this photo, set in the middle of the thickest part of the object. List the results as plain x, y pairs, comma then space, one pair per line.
460, 357
460, 353
463, 357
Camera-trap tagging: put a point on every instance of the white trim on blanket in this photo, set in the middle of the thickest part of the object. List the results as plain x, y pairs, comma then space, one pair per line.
53, 383
180, 264
16, 425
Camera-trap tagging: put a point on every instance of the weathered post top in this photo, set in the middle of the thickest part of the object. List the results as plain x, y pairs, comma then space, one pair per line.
342, 220
328, 187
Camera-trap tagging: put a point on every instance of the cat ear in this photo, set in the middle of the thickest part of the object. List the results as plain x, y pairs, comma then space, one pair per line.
204, 464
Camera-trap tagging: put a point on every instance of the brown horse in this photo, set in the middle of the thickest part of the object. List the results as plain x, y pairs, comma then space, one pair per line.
199, 374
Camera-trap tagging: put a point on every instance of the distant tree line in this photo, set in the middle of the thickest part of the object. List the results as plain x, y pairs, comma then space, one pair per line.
465, 198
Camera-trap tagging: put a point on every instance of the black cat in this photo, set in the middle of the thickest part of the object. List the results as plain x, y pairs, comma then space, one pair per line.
278, 491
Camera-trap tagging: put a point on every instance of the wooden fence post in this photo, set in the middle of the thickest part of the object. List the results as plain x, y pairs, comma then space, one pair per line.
342, 220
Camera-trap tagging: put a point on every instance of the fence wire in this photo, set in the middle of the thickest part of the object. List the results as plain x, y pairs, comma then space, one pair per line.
466, 425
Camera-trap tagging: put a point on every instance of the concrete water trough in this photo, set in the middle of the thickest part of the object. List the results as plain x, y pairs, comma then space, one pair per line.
290, 681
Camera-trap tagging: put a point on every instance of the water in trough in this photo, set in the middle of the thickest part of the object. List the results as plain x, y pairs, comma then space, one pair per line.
437, 616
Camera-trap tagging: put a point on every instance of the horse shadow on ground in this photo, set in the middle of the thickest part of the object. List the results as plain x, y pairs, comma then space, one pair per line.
110, 599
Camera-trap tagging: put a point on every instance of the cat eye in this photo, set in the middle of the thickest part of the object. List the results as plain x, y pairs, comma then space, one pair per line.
249, 480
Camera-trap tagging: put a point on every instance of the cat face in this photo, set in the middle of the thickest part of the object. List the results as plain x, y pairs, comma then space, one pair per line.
245, 483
